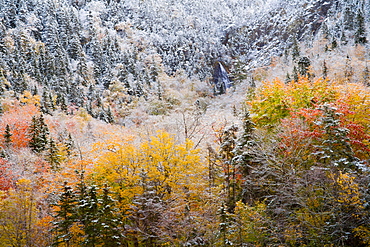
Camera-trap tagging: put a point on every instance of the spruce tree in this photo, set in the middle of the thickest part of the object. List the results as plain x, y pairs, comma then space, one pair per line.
295, 49
90, 218
287, 78
7, 136
110, 223
228, 142
53, 155
366, 76
360, 34
38, 132
335, 149
242, 151
303, 66
324, 70
64, 217
69, 145
295, 74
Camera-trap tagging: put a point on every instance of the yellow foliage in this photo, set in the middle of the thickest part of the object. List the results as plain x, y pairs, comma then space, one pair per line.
357, 97
363, 233
173, 169
28, 98
250, 224
19, 224
274, 100
349, 194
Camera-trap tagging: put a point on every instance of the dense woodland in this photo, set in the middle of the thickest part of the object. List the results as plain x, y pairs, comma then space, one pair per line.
112, 132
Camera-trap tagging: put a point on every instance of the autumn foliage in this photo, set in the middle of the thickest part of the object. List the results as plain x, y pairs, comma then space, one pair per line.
294, 173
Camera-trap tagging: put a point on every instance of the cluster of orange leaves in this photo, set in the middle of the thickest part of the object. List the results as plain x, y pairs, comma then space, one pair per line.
294, 108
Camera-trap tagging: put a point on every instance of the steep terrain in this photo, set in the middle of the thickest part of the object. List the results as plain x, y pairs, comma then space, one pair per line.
80, 53
119, 125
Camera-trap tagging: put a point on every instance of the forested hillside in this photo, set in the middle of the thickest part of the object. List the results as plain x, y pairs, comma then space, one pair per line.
184, 123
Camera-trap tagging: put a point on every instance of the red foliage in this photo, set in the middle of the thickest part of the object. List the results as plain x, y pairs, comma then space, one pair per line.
301, 130
18, 118
6, 178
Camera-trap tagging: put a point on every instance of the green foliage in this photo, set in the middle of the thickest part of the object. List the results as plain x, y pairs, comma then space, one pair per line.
87, 216
38, 131
65, 217
7, 136
360, 34
335, 149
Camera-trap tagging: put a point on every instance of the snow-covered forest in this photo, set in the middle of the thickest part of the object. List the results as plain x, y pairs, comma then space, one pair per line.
184, 123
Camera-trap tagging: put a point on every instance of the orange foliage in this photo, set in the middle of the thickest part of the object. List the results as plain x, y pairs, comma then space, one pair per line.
18, 117
295, 108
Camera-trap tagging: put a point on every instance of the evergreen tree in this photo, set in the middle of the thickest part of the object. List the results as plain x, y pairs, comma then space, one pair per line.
287, 78
295, 49
303, 66
38, 132
45, 104
295, 74
61, 101
90, 218
325, 31
324, 70
360, 34
98, 215
334, 44
227, 145
7, 136
242, 151
53, 155
65, 217
110, 223
224, 225
348, 17
335, 149
69, 145
366, 76
343, 38
348, 70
